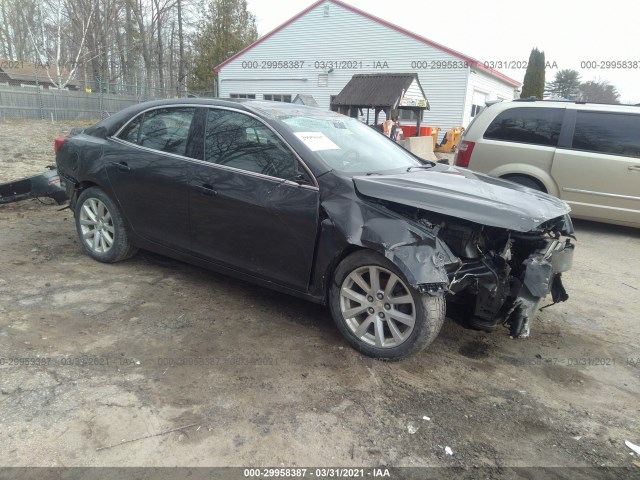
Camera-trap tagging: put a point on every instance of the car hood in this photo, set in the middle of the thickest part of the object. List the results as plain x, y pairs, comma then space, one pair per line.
465, 194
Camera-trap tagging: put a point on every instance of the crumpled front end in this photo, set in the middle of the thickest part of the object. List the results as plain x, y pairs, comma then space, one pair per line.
423, 258
491, 273
504, 275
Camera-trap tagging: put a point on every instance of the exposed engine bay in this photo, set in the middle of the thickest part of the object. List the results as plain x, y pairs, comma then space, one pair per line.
502, 275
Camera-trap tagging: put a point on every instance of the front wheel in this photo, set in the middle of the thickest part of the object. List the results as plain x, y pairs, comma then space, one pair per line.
101, 227
377, 311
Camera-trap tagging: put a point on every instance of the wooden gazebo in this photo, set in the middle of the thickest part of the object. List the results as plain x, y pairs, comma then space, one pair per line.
382, 92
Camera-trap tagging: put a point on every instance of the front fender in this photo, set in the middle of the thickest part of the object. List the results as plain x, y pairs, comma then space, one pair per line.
350, 225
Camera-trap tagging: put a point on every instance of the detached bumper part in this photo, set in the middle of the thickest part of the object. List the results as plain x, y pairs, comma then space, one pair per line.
543, 275
46, 184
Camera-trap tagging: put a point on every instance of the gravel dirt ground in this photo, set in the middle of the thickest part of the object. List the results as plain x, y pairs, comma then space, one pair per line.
92, 355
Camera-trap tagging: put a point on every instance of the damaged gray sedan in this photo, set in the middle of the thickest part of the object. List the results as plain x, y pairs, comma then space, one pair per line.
318, 205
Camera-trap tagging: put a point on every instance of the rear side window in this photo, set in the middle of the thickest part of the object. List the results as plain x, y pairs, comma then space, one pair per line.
613, 133
164, 129
538, 126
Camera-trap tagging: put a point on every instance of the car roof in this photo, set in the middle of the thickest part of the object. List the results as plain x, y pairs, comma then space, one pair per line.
569, 104
270, 110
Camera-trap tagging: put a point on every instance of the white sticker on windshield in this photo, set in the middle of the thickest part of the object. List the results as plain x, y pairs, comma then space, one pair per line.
317, 141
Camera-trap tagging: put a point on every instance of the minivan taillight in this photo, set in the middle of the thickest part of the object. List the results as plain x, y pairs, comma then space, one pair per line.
463, 155
58, 143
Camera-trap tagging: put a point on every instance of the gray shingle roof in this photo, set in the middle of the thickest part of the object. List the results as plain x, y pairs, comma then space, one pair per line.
376, 90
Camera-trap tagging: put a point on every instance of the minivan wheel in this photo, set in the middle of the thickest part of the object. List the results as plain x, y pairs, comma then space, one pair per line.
526, 182
101, 228
378, 312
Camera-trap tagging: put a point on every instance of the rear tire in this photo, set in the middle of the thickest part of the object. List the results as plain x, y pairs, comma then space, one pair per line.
378, 312
526, 182
100, 227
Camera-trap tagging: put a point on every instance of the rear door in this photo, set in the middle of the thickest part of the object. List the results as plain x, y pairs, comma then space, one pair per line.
244, 212
599, 173
148, 171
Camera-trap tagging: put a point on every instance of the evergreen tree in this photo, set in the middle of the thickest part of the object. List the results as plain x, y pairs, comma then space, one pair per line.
533, 85
228, 28
565, 85
598, 91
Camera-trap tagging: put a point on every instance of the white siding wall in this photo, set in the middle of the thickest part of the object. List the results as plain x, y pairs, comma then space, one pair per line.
344, 36
482, 84
414, 90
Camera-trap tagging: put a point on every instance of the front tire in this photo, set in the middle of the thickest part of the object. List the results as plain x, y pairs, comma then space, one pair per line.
100, 227
378, 312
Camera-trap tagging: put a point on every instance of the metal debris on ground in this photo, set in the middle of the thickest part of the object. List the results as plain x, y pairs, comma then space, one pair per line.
633, 447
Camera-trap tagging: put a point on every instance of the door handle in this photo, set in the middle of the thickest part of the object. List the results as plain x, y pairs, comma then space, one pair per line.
635, 167
206, 190
123, 167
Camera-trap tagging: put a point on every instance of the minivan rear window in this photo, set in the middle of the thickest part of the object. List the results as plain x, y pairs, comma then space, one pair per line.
538, 126
604, 132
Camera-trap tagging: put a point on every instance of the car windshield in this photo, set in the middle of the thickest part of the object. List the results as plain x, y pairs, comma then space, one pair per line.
349, 146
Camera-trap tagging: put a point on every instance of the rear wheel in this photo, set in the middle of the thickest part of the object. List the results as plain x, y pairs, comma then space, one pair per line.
377, 311
526, 182
101, 228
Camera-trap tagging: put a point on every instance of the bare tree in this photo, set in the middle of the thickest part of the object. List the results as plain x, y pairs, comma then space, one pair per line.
126, 46
181, 74
46, 36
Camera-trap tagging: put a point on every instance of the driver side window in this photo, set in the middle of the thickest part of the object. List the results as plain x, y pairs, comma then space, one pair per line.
240, 141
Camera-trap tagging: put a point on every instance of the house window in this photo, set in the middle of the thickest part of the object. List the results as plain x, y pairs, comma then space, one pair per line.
277, 98
249, 96
475, 109
323, 79
478, 102
411, 115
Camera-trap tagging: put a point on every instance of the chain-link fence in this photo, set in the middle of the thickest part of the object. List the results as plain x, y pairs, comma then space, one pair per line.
92, 101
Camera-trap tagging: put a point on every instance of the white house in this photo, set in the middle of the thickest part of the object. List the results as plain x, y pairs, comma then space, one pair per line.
316, 53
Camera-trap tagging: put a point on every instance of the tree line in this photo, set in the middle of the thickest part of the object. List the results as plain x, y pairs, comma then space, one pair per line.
167, 47
567, 84
126, 46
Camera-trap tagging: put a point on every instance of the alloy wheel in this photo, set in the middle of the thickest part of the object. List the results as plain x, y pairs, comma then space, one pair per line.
377, 306
96, 225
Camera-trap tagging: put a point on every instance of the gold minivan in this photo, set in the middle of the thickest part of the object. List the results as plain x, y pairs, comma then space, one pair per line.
587, 154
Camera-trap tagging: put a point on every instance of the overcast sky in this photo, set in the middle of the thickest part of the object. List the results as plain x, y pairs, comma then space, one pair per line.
568, 31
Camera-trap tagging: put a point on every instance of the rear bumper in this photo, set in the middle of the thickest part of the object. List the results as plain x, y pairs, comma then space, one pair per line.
46, 184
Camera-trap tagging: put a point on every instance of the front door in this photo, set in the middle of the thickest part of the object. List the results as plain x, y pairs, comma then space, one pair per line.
246, 212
